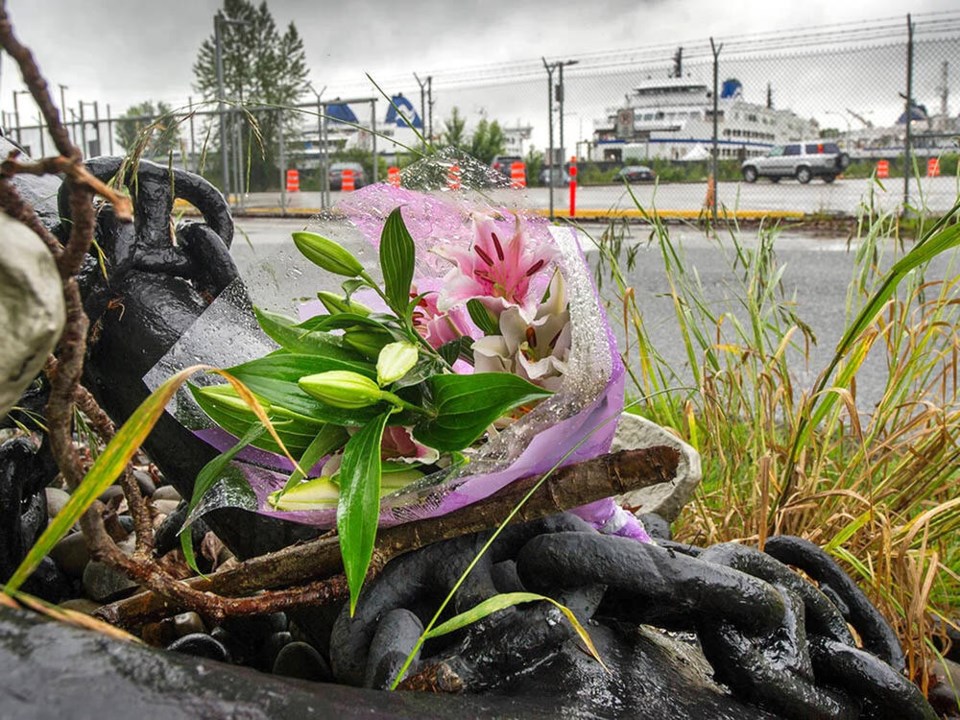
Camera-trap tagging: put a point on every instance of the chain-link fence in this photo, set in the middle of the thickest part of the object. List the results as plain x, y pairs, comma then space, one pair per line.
805, 121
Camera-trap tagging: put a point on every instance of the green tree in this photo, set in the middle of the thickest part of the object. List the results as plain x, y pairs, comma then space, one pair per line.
262, 70
455, 128
488, 141
152, 129
534, 162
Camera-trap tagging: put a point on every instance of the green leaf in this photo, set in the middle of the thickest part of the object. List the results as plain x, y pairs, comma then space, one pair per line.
462, 347
483, 318
206, 478
465, 405
276, 377
218, 402
343, 320
286, 333
507, 600
397, 255
329, 439
359, 507
335, 304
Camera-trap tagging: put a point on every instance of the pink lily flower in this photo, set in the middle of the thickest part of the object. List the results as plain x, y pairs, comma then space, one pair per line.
398, 445
435, 325
496, 270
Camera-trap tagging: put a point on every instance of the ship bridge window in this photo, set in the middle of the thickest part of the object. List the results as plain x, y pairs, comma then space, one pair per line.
751, 118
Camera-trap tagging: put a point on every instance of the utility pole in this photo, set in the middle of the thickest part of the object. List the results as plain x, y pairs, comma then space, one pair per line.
63, 108
16, 113
430, 106
550, 68
560, 99
715, 49
907, 163
423, 110
218, 49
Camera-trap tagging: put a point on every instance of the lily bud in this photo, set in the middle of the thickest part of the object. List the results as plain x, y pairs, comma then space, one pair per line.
342, 389
226, 397
395, 361
336, 304
329, 255
316, 494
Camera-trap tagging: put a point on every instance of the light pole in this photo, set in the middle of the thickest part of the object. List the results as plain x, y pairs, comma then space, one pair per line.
322, 147
560, 94
550, 67
218, 22
63, 107
426, 89
846, 138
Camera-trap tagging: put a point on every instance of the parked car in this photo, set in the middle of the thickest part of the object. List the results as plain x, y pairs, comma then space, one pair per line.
561, 178
502, 163
336, 175
636, 173
801, 160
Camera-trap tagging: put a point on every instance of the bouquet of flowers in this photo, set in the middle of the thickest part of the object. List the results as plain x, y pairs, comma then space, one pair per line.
482, 356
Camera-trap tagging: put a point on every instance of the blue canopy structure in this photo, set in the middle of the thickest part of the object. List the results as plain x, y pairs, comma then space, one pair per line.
341, 112
406, 107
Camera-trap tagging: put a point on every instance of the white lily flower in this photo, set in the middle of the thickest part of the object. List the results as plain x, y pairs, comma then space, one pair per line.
536, 350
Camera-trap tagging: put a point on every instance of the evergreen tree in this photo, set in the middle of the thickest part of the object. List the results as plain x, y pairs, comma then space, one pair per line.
261, 67
488, 141
157, 120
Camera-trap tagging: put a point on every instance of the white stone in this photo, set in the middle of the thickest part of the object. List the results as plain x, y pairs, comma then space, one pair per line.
31, 309
665, 499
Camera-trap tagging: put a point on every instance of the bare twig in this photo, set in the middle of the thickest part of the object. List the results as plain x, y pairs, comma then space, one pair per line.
576, 485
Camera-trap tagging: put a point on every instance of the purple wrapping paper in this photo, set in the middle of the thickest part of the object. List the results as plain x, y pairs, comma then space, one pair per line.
580, 419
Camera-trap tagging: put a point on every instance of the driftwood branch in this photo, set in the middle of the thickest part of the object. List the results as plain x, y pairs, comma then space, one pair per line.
569, 487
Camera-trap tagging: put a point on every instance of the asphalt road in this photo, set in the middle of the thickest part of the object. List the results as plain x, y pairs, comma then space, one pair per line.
816, 277
843, 196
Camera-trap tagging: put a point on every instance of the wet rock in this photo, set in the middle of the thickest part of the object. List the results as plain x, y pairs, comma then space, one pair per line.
144, 482
945, 695
166, 507
83, 605
71, 555
114, 492
51, 669
31, 308
396, 636
104, 584
271, 648
666, 499
188, 623
300, 660
48, 582
201, 645
656, 526
166, 492
126, 522
56, 499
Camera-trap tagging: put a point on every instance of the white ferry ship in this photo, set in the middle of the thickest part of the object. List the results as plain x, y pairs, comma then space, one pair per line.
672, 119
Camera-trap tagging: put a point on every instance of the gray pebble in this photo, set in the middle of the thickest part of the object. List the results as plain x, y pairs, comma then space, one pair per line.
201, 645
56, 499
166, 492
104, 584
145, 482
112, 492
300, 660
188, 623
71, 555
88, 607
165, 507
271, 648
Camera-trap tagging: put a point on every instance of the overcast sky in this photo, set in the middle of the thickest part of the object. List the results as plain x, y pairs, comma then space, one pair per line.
122, 53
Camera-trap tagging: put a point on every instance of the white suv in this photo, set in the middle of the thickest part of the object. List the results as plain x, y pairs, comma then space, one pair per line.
802, 160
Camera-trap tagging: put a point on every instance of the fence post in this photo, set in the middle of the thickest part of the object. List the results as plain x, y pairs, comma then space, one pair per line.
283, 164
373, 134
713, 161
908, 139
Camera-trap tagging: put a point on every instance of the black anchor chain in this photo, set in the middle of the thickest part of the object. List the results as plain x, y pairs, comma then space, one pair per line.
775, 639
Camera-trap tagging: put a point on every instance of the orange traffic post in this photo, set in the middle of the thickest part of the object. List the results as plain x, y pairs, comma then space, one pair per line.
393, 176
346, 183
518, 175
883, 169
573, 187
933, 167
293, 181
453, 177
